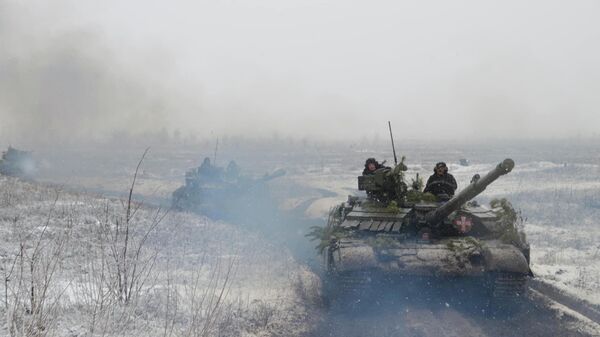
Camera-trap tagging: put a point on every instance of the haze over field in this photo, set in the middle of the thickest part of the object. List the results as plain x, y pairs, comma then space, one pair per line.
73, 71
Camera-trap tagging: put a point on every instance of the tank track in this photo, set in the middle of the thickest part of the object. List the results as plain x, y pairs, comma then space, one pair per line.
506, 294
354, 281
348, 288
509, 286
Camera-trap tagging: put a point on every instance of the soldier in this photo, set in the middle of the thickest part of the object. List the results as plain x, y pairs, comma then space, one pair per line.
371, 165
441, 182
232, 172
206, 169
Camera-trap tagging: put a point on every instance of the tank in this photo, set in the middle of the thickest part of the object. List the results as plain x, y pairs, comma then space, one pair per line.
17, 163
224, 193
397, 232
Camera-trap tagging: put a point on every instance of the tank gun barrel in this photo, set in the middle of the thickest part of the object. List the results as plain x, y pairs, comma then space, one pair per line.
476, 186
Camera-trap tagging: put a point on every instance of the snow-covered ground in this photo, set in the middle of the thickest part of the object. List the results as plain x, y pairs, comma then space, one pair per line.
555, 185
567, 259
75, 266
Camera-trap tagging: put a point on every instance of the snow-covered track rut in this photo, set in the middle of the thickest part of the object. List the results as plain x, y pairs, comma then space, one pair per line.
585, 309
575, 316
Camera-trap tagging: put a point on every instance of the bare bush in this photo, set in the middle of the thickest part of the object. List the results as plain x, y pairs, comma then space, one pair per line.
130, 268
262, 313
119, 264
94, 266
32, 293
204, 300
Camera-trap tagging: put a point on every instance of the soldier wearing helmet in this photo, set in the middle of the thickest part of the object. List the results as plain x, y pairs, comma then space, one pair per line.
372, 165
441, 183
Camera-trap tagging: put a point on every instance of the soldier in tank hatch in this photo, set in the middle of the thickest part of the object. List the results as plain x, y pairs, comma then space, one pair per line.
206, 168
209, 171
441, 182
372, 165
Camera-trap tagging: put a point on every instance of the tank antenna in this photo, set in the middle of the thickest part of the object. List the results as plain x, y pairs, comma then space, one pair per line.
393, 148
216, 149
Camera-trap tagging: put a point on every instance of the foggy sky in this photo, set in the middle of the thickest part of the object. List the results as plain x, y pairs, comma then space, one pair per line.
335, 69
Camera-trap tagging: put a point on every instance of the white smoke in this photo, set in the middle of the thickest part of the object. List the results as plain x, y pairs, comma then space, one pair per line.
317, 69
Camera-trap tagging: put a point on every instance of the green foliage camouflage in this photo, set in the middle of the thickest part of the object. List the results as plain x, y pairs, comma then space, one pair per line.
414, 195
505, 211
393, 207
374, 206
475, 242
429, 197
417, 183
465, 244
418, 196
457, 245
398, 176
510, 219
401, 166
325, 235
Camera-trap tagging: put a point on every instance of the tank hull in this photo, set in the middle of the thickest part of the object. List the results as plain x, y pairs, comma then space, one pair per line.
496, 272
452, 257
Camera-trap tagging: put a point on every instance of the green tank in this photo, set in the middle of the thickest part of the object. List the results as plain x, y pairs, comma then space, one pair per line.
224, 193
397, 232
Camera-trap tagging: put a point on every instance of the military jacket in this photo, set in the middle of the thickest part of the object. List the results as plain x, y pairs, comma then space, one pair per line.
444, 184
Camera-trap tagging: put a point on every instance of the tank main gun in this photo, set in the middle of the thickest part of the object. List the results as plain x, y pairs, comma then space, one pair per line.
477, 185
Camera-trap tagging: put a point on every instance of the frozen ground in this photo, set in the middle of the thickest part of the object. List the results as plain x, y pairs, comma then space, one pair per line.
554, 184
74, 266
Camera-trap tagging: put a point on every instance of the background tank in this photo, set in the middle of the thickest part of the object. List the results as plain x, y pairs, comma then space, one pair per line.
397, 232
224, 193
17, 163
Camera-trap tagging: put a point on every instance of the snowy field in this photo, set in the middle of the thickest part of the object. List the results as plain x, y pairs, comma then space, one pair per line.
554, 185
81, 265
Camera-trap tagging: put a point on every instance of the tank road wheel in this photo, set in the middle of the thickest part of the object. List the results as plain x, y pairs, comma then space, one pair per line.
507, 292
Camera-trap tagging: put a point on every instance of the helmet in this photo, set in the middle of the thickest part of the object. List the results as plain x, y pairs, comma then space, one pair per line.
441, 164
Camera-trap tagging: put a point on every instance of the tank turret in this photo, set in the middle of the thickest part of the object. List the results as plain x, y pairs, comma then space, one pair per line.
224, 193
